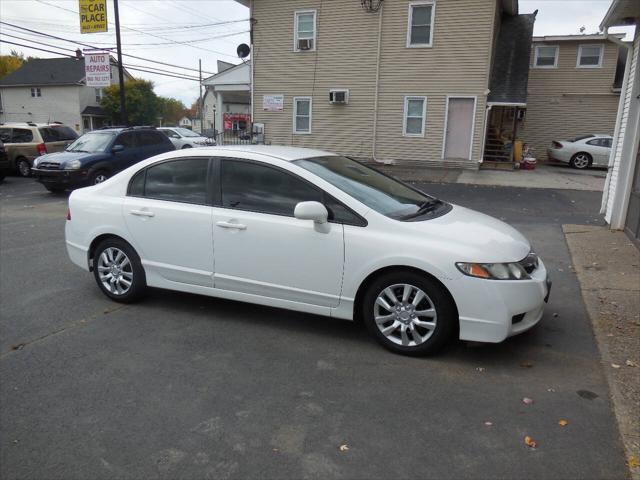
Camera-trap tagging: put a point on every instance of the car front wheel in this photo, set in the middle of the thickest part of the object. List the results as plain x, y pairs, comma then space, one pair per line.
409, 313
118, 271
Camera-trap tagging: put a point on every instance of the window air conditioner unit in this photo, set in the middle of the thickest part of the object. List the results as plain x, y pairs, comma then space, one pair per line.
305, 43
339, 96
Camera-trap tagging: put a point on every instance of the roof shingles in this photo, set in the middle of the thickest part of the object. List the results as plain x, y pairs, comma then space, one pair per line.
46, 71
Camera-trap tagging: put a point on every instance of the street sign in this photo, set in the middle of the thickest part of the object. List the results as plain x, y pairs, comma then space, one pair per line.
93, 16
97, 69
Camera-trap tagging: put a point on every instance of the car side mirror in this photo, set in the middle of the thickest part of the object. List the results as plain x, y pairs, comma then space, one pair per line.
117, 148
311, 211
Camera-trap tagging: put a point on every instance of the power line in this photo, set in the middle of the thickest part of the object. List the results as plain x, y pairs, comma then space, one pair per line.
93, 46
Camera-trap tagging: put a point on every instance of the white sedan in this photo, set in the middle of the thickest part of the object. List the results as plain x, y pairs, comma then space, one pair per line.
583, 151
185, 138
310, 231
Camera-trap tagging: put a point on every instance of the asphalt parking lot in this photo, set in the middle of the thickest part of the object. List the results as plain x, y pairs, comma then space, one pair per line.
182, 386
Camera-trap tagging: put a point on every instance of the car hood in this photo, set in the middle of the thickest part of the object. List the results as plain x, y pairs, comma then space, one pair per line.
62, 158
473, 237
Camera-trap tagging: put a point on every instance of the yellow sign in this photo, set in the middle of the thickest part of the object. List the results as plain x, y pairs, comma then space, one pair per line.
93, 16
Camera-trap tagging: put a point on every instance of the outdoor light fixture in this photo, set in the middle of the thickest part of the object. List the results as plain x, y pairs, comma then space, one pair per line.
371, 5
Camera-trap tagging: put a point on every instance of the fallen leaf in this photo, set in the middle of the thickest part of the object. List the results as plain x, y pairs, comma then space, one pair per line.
563, 423
530, 442
615, 365
527, 401
633, 462
526, 364
344, 448
488, 424
630, 363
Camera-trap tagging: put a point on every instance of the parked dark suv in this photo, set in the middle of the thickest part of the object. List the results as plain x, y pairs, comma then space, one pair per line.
98, 155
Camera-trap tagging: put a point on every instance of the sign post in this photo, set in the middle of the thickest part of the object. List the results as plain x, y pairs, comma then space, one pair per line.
123, 106
93, 16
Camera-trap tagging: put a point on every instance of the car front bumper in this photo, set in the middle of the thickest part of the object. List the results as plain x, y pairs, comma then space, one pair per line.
493, 310
61, 178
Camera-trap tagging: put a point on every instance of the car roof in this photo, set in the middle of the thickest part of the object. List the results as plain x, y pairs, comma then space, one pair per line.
32, 125
276, 151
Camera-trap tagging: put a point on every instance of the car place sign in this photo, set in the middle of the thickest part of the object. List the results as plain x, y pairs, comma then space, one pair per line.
97, 69
93, 16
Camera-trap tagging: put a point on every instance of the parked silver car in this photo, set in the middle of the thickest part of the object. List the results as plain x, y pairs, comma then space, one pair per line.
185, 138
583, 151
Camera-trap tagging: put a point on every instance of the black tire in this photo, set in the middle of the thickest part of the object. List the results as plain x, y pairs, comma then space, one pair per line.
98, 177
186, 146
581, 160
438, 299
138, 285
54, 189
2, 177
23, 167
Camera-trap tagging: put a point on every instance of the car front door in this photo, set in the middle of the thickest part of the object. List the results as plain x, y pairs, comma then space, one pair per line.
261, 249
169, 215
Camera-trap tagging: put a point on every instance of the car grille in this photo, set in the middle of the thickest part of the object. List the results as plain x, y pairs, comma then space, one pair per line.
530, 262
49, 165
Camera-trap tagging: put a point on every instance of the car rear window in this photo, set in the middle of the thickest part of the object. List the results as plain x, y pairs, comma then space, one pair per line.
65, 133
49, 134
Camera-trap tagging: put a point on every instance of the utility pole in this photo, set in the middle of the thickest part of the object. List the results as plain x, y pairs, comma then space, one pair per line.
200, 101
123, 106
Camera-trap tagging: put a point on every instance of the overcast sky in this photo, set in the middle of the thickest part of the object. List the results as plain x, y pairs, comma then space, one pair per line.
149, 27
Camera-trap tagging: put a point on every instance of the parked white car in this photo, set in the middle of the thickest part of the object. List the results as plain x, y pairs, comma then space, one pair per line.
583, 151
185, 138
310, 231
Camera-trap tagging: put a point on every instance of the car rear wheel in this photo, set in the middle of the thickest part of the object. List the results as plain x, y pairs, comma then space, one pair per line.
23, 167
99, 177
118, 271
409, 313
581, 160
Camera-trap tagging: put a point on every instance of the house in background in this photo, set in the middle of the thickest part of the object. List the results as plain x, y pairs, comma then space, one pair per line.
227, 98
574, 88
45, 90
399, 81
621, 196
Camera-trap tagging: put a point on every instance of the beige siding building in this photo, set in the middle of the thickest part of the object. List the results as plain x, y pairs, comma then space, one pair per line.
571, 89
404, 83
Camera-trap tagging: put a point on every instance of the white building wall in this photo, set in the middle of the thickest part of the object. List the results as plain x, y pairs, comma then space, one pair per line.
616, 194
57, 104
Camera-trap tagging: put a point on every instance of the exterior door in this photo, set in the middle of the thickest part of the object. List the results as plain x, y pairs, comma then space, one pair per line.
459, 128
632, 223
167, 214
261, 249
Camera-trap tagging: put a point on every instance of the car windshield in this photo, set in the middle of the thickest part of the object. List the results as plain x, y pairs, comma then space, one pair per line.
93, 142
581, 137
374, 189
185, 132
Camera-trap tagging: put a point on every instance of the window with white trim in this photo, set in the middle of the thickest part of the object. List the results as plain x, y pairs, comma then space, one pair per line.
546, 56
99, 94
305, 31
35, 92
420, 27
415, 114
302, 114
589, 56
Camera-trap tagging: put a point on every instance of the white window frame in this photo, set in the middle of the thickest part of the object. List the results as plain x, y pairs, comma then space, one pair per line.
409, 22
555, 60
36, 92
295, 30
295, 114
599, 65
99, 94
406, 111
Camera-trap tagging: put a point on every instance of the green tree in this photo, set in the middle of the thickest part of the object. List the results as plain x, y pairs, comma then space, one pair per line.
12, 62
143, 105
171, 110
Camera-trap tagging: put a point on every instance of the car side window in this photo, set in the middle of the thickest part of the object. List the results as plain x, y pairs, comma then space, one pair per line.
261, 188
183, 180
606, 142
22, 135
340, 213
147, 138
5, 135
49, 135
126, 139
65, 133
597, 142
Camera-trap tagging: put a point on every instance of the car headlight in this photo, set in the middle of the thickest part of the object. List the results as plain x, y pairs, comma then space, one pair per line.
35, 162
494, 271
73, 165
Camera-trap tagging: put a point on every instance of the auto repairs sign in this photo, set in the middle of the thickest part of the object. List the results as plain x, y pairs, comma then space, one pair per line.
97, 69
93, 16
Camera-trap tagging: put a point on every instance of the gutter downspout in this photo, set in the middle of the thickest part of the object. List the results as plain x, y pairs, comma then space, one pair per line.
375, 99
616, 133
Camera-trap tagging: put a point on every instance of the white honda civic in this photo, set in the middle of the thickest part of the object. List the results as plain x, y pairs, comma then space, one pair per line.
310, 231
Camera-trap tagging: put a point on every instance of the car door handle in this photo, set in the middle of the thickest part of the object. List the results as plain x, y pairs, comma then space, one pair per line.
237, 226
142, 213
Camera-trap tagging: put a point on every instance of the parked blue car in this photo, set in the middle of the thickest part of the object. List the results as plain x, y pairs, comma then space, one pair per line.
98, 155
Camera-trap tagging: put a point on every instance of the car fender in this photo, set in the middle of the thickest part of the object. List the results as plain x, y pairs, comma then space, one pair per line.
100, 165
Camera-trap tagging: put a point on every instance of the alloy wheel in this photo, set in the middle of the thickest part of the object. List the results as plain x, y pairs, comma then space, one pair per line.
115, 271
405, 315
581, 161
23, 168
101, 177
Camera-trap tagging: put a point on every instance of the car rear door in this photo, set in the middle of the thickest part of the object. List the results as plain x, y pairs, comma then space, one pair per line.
152, 143
131, 153
169, 215
261, 249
